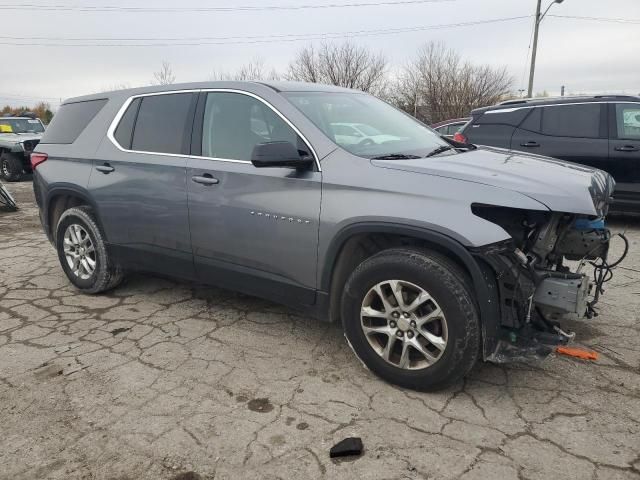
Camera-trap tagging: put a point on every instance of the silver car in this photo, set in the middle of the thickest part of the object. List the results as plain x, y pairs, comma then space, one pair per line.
432, 254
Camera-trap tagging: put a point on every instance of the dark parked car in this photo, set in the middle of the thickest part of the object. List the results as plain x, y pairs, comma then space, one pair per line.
600, 131
428, 261
449, 128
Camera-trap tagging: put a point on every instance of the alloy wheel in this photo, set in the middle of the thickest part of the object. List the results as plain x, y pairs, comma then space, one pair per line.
404, 324
79, 251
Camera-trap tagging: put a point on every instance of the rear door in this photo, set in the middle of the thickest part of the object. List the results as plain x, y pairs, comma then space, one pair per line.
573, 132
252, 229
139, 183
624, 148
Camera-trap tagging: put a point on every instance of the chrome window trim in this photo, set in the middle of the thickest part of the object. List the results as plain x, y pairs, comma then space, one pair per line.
513, 109
116, 121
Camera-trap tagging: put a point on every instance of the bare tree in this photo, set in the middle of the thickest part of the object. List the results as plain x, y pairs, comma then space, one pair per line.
438, 85
345, 65
165, 75
254, 70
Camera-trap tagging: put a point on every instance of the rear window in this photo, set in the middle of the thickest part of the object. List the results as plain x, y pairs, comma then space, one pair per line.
161, 123
70, 120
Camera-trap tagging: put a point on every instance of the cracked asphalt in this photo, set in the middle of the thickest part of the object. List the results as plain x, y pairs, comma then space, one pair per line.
167, 380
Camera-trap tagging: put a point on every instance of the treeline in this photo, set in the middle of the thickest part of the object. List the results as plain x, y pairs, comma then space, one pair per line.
42, 110
436, 84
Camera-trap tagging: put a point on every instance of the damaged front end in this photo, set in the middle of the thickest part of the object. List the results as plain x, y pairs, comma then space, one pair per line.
552, 269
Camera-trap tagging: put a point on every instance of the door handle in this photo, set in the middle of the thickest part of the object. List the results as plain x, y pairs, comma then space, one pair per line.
205, 179
530, 144
627, 148
106, 168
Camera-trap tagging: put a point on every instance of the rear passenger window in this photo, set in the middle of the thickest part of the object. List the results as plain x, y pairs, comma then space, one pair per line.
628, 120
161, 123
124, 132
572, 120
234, 123
533, 121
70, 120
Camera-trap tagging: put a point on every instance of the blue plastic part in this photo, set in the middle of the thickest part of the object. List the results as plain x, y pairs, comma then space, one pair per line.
586, 224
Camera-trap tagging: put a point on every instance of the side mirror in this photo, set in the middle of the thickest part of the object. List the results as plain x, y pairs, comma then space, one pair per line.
279, 154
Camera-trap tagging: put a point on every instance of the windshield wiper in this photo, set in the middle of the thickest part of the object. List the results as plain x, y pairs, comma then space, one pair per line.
395, 156
438, 150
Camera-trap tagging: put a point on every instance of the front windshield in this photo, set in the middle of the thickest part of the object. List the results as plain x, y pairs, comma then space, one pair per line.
20, 125
365, 125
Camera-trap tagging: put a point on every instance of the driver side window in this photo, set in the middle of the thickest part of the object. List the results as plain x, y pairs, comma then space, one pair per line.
235, 123
628, 120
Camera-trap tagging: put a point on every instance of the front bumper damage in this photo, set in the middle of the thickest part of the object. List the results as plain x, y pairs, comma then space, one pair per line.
552, 273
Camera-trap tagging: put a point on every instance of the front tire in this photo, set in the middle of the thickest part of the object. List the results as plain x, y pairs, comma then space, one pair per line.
410, 317
83, 254
11, 168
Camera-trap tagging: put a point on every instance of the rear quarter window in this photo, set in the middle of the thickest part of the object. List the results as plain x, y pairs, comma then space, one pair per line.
70, 120
500, 117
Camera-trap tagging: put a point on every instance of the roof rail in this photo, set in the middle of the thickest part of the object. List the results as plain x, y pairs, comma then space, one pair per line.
635, 97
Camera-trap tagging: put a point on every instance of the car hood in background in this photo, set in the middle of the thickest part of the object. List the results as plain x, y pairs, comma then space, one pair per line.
560, 186
19, 137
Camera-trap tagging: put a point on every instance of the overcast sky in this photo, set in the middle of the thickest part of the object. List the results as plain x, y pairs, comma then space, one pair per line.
584, 55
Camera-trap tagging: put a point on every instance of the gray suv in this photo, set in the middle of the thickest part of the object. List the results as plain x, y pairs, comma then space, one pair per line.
432, 254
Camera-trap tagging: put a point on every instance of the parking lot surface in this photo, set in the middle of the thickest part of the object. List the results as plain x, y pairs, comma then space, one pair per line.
167, 380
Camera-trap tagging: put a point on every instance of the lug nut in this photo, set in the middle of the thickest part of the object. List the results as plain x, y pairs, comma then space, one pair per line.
410, 334
413, 323
395, 314
392, 324
406, 315
400, 333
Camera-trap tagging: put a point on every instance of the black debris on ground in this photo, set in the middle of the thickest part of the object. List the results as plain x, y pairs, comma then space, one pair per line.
116, 331
348, 447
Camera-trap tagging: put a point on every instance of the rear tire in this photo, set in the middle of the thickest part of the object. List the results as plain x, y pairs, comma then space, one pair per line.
428, 338
83, 254
11, 168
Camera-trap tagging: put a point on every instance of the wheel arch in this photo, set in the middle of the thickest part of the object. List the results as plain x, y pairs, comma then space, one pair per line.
61, 198
354, 243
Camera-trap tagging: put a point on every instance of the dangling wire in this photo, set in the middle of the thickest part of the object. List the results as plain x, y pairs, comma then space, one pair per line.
603, 272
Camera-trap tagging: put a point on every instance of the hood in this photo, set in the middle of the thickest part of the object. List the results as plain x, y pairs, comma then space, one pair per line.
560, 186
19, 137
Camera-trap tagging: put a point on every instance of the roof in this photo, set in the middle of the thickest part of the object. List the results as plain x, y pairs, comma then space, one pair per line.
532, 102
278, 86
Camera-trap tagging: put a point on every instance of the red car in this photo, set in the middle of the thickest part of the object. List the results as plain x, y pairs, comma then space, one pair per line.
448, 128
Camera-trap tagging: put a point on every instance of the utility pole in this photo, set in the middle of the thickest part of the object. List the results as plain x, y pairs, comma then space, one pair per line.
532, 69
534, 51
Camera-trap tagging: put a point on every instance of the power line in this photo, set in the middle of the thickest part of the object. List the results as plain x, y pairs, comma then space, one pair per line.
238, 8
237, 40
632, 21
27, 97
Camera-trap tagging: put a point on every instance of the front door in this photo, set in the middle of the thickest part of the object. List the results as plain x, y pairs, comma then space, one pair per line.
624, 150
252, 229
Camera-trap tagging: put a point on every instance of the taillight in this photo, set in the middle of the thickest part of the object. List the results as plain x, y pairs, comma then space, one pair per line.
458, 137
37, 158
